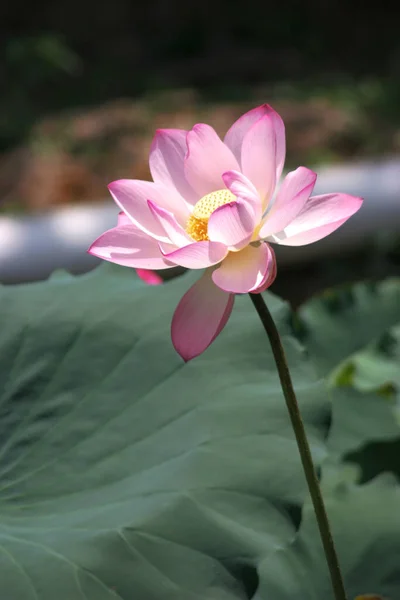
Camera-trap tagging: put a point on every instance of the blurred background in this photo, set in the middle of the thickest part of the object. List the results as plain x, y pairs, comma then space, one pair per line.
85, 84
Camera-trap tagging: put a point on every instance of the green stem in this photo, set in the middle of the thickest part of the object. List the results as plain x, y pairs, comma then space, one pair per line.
302, 443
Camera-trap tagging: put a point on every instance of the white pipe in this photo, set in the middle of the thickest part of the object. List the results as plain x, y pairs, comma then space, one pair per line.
378, 182
31, 247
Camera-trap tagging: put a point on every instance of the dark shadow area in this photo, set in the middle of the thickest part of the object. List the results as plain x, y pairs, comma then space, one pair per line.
294, 513
248, 577
377, 458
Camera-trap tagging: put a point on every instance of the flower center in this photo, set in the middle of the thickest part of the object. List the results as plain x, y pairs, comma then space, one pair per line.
197, 223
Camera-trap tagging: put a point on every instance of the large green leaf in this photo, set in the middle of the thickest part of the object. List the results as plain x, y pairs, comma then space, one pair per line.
366, 528
125, 473
342, 321
377, 366
359, 419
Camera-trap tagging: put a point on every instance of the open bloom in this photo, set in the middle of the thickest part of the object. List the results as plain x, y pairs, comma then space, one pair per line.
216, 205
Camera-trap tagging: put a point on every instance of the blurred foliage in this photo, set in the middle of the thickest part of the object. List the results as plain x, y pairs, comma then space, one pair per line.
33, 65
68, 54
352, 335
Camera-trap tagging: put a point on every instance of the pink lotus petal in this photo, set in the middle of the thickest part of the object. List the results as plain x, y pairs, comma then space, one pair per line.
175, 233
292, 196
207, 159
198, 255
149, 277
167, 156
259, 157
270, 274
320, 216
123, 219
245, 271
200, 317
243, 189
235, 136
279, 127
132, 196
128, 246
232, 224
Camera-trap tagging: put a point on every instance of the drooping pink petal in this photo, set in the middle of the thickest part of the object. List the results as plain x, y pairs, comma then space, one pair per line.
167, 157
200, 317
132, 196
320, 216
149, 277
292, 196
197, 255
232, 224
128, 246
176, 234
245, 271
235, 136
243, 189
259, 157
207, 159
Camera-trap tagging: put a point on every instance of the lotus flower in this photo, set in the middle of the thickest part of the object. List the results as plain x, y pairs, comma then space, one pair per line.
216, 205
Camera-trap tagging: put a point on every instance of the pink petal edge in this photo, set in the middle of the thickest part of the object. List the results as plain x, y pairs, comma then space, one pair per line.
270, 274
246, 271
173, 230
128, 246
132, 196
291, 197
244, 190
123, 219
259, 157
198, 255
207, 159
320, 217
167, 156
235, 135
232, 224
